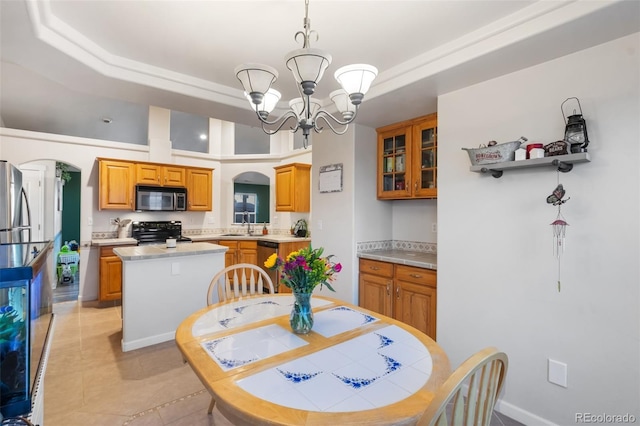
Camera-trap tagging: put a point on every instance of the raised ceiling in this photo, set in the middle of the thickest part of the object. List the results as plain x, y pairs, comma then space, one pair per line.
68, 63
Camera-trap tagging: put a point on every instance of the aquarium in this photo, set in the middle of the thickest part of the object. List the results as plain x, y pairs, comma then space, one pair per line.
25, 318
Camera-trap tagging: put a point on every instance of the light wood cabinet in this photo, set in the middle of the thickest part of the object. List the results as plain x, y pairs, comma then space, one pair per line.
116, 184
110, 286
199, 189
293, 187
407, 159
163, 175
406, 293
240, 252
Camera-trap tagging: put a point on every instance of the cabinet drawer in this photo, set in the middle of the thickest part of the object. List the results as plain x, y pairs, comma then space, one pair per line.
374, 267
416, 275
248, 245
107, 251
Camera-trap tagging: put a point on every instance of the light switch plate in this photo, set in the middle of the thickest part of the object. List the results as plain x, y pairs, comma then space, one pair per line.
557, 372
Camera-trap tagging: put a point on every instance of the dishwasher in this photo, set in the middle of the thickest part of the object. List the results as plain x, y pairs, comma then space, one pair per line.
266, 249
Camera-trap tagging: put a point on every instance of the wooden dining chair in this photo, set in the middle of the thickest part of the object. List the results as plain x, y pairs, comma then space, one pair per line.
468, 396
239, 280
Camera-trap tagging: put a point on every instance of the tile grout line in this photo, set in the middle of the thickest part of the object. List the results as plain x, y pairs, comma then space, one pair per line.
166, 404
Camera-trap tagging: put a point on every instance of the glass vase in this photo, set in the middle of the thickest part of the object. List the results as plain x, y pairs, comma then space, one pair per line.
301, 318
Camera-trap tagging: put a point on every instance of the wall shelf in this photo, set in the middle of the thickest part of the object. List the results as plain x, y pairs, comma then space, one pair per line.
564, 163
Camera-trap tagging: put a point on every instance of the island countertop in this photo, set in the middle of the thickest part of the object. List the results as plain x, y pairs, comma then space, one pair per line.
154, 251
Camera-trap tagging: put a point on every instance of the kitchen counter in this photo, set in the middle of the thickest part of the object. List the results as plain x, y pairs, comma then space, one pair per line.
114, 242
403, 257
275, 238
162, 286
155, 251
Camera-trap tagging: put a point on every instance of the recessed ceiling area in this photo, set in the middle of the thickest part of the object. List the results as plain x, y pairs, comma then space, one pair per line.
67, 64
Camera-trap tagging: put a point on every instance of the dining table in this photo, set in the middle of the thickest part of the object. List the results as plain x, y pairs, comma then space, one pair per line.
354, 367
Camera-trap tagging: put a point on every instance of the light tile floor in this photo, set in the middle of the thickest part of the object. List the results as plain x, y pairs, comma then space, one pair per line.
90, 381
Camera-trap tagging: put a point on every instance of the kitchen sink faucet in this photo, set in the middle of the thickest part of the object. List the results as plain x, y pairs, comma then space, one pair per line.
245, 219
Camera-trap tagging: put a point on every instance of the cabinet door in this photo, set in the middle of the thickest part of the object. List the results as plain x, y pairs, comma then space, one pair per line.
415, 304
116, 185
199, 189
425, 150
148, 174
174, 176
375, 293
394, 169
110, 278
230, 256
248, 252
293, 188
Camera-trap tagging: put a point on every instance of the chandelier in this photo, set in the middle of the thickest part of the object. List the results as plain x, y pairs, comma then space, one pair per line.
307, 65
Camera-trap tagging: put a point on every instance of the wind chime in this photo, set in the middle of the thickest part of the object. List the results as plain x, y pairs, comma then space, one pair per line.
559, 225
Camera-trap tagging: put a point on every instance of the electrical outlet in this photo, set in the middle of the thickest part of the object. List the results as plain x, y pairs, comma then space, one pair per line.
434, 227
90, 221
557, 372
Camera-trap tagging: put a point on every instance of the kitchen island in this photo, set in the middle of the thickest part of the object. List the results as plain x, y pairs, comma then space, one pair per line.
162, 286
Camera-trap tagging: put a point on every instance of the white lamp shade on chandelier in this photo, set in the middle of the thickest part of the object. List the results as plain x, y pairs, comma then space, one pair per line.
308, 66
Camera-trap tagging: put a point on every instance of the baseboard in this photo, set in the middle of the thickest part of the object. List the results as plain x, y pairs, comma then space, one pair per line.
523, 416
147, 341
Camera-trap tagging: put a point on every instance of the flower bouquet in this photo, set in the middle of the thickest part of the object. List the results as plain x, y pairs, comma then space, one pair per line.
302, 271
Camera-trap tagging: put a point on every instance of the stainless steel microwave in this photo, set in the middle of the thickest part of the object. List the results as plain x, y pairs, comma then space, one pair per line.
156, 198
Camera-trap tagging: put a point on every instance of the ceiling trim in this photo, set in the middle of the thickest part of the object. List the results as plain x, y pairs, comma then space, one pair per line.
525, 23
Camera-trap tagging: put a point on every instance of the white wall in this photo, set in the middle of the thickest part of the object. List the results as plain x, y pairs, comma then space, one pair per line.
496, 270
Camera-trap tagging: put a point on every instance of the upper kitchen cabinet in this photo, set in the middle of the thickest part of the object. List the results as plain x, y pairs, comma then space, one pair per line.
407, 159
293, 187
117, 181
163, 175
199, 189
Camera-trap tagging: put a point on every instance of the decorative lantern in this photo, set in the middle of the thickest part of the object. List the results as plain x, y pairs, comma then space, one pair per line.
575, 132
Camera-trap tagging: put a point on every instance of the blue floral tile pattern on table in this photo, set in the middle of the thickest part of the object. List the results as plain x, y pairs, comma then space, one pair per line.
357, 382
240, 309
250, 346
297, 377
226, 362
245, 311
340, 319
394, 369
392, 364
384, 341
225, 322
366, 318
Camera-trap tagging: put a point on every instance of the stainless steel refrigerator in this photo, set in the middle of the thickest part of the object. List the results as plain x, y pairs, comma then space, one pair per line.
15, 217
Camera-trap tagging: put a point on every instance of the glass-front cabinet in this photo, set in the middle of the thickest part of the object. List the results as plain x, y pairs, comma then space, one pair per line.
407, 159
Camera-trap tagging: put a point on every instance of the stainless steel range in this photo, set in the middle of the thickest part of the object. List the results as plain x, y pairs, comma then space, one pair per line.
158, 232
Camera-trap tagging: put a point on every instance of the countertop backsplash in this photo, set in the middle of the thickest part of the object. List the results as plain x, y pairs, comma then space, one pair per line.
419, 246
99, 235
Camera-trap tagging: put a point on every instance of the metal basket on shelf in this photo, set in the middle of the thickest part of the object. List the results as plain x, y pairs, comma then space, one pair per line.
494, 154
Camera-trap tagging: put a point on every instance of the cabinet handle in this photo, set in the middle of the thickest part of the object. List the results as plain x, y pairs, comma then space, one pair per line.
415, 275
388, 289
397, 292
416, 185
374, 268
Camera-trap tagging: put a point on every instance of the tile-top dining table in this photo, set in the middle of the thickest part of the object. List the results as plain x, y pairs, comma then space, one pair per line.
355, 366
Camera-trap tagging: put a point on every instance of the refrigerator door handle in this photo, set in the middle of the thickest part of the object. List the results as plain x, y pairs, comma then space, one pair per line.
28, 226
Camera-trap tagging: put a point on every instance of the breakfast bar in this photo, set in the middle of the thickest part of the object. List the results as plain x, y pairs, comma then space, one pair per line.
162, 286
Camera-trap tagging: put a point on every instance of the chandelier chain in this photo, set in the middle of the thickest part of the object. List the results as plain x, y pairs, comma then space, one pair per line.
306, 23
